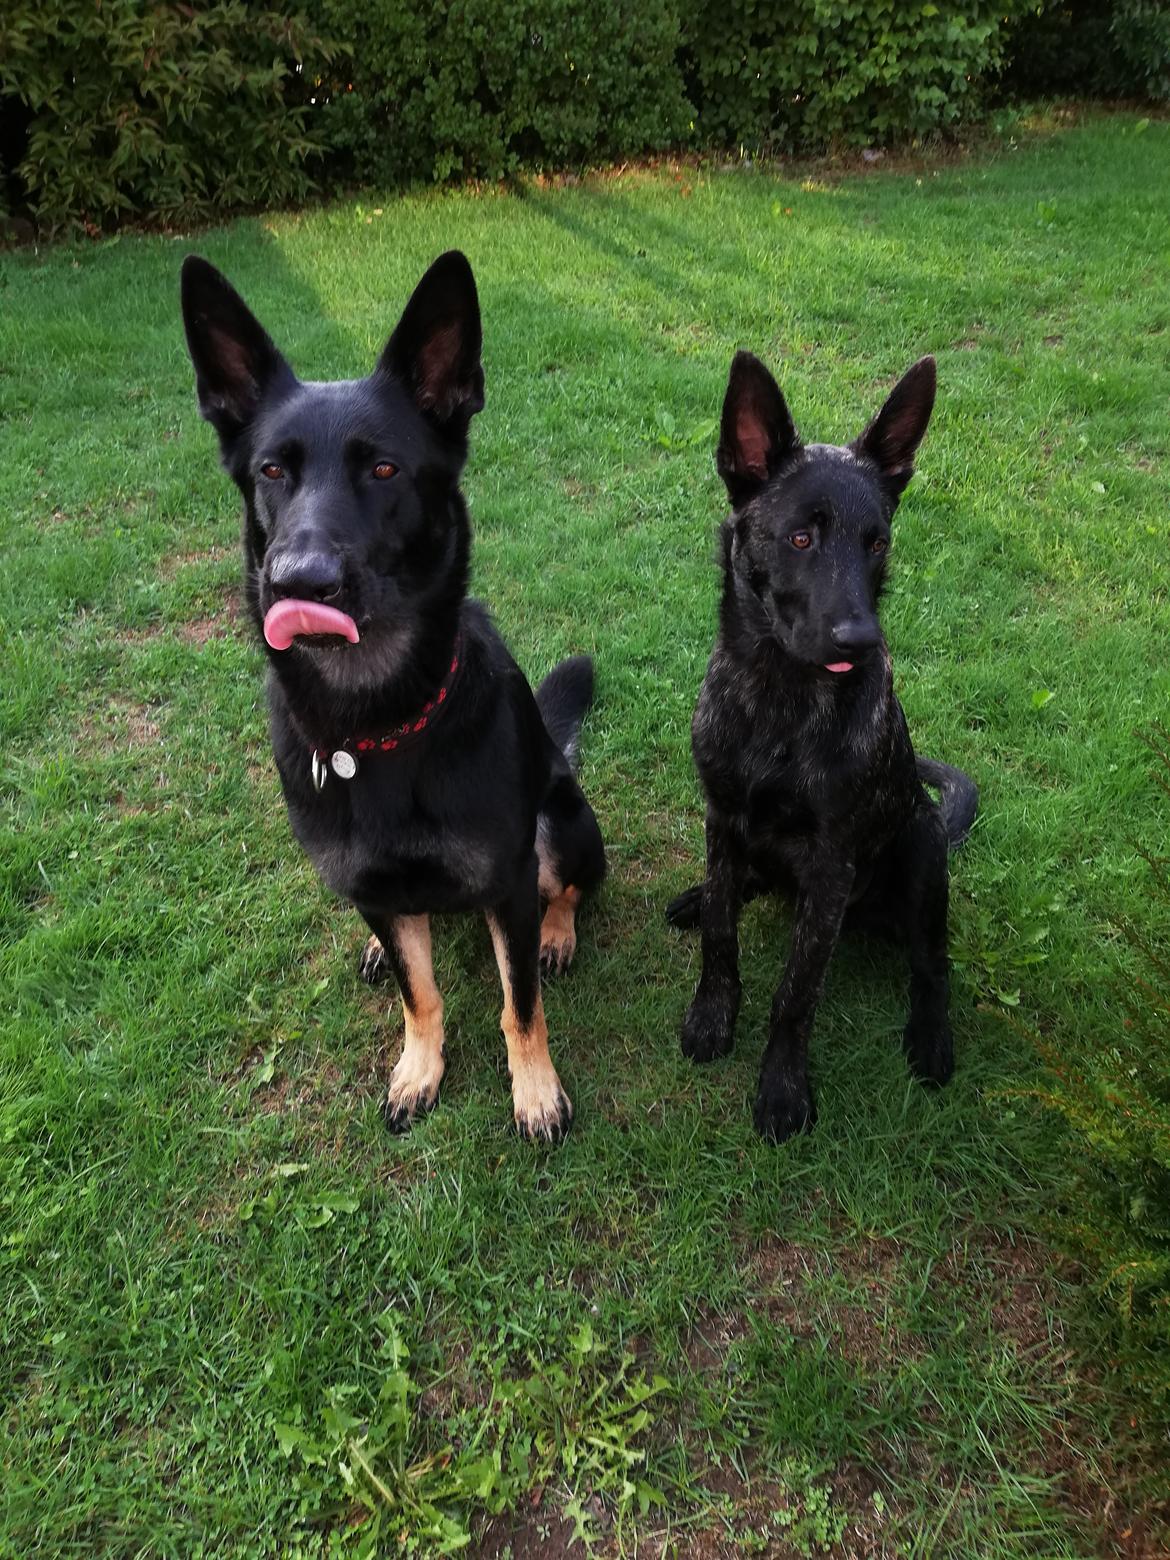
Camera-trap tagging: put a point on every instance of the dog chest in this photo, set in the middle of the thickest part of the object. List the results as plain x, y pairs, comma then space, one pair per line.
377, 850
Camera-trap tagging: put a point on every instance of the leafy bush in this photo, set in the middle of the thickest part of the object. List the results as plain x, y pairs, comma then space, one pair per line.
178, 112
1116, 1103
796, 74
1120, 49
167, 109
158, 109
1141, 34
480, 87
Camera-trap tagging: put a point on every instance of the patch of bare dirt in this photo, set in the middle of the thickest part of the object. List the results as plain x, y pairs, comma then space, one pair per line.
1013, 1277
532, 1534
303, 1094
795, 1285
196, 631
710, 1340
457, 1388
1115, 1527
124, 723
756, 1514
128, 809
171, 565
142, 730
215, 625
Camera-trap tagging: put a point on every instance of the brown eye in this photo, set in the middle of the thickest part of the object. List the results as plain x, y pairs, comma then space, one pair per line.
272, 471
800, 540
384, 471
878, 545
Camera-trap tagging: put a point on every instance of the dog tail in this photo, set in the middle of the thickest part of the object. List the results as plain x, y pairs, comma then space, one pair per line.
562, 699
958, 797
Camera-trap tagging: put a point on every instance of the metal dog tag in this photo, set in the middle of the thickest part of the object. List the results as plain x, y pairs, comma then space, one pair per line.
319, 772
343, 764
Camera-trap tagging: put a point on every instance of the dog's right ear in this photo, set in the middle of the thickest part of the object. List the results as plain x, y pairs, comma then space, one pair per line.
757, 432
235, 360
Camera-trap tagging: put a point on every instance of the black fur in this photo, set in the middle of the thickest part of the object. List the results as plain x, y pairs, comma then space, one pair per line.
811, 781
449, 820
563, 698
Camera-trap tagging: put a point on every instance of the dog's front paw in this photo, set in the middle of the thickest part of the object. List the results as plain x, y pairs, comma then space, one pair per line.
414, 1087
542, 1109
784, 1106
373, 966
708, 1029
930, 1049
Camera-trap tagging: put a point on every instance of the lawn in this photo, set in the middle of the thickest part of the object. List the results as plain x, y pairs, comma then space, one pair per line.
237, 1317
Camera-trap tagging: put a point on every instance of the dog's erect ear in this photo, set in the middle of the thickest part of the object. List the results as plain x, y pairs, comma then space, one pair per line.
235, 360
436, 345
893, 437
757, 432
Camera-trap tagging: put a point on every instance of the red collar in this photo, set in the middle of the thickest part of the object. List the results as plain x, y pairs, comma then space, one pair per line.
343, 759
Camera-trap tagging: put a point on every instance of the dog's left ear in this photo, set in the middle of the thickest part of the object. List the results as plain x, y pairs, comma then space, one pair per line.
892, 438
435, 349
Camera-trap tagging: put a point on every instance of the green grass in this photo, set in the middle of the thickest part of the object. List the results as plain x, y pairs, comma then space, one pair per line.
236, 1317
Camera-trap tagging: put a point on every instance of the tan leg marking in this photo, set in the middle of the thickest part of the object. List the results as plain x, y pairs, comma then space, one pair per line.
541, 1107
558, 931
414, 1083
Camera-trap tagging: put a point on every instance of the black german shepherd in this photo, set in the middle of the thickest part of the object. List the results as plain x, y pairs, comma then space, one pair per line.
812, 785
420, 773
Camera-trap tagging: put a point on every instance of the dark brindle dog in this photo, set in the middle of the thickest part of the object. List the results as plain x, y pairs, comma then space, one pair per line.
800, 742
420, 773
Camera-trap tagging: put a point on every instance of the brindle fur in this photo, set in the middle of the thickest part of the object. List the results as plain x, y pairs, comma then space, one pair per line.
811, 780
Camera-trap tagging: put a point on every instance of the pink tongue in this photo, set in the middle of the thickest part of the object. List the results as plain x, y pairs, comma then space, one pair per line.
833, 666
288, 619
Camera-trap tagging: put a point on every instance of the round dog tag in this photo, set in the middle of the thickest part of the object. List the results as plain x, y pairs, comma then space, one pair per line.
343, 764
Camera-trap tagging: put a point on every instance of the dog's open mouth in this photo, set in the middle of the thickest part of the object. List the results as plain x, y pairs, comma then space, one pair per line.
292, 619
830, 666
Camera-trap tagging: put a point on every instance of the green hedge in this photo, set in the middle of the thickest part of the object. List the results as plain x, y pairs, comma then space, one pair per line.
480, 88
167, 110
173, 111
1093, 48
161, 110
801, 74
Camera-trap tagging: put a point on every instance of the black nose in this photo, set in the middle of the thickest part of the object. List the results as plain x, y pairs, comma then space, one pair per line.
307, 576
856, 635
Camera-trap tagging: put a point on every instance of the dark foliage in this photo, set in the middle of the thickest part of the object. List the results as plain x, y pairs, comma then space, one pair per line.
123, 108
800, 74
479, 88
1120, 49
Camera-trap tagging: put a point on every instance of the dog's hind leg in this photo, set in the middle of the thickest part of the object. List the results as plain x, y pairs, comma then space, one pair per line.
405, 942
684, 912
373, 965
571, 861
923, 857
784, 1101
541, 1106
